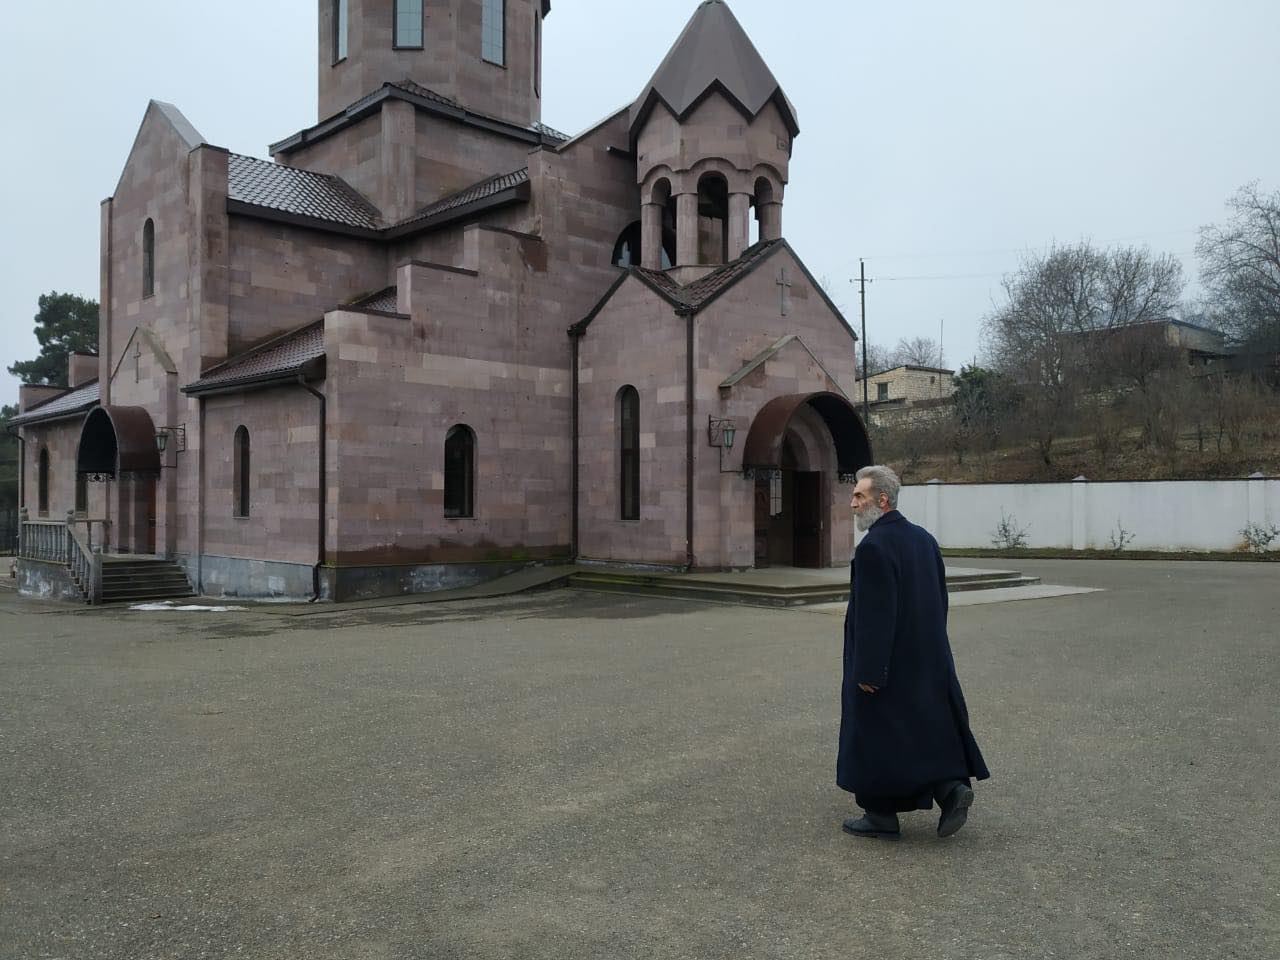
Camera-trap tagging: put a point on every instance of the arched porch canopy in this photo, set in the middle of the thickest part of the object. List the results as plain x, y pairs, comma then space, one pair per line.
117, 440
763, 449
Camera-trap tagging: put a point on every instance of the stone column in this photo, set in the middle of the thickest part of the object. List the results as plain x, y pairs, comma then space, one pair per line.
651, 236
739, 224
686, 230
771, 220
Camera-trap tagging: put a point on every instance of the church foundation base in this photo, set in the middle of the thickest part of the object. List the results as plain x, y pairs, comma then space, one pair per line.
45, 581
250, 579
366, 583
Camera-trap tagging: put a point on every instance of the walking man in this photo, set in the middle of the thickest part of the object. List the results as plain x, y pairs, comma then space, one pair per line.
904, 727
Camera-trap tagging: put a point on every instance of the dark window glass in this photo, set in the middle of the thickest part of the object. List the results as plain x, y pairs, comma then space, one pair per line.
882, 391
493, 32
82, 493
42, 480
408, 23
629, 453
148, 258
626, 252
459, 472
339, 30
240, 469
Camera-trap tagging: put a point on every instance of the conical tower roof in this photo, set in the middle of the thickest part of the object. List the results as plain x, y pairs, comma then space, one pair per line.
713, 53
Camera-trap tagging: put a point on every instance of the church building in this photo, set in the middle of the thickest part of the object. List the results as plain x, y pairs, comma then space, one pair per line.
433, 340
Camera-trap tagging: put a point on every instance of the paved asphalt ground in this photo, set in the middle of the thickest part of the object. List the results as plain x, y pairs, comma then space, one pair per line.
567, 774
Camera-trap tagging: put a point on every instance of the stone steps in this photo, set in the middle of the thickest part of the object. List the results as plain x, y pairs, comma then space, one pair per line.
729, 590
135, 580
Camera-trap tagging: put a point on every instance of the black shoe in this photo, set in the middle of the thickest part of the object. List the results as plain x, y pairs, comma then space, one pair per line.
873, 825
955, 810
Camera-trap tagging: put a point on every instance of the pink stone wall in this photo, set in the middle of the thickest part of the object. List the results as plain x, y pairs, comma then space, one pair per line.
450, 62
352, 153
283, 425
282, 277
636, 340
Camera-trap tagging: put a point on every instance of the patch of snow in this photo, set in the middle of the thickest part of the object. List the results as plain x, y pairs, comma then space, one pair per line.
170, 605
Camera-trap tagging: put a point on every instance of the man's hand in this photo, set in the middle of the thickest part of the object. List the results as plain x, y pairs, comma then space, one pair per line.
867, 688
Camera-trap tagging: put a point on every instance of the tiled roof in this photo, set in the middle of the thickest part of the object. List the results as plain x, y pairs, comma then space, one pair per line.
272, 360
301, 192
81, 398
695, 295
477, 191
384, 301
418, 90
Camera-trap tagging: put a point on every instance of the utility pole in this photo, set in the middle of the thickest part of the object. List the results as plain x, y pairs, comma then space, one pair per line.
862, 295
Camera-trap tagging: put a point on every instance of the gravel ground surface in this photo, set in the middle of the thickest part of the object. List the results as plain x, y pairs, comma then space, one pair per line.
568, 775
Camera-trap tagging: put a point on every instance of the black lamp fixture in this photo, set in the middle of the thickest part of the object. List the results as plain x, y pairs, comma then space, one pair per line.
179, 436
721, 433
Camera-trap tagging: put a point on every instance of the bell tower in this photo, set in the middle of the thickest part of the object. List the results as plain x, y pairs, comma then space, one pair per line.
485, 55
712, 134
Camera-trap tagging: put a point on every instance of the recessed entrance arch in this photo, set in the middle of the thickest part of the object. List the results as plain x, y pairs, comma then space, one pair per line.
118, 446
798, 447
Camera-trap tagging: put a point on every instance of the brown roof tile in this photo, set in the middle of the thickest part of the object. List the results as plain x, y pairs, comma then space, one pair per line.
64, 404
274, 360
301, 192
477, 191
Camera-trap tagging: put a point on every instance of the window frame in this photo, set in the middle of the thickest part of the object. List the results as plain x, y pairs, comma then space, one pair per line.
467, 510
43, 472
395, 27
628, 446
148, 258
502, 26
882, 391
241, 460
341, 29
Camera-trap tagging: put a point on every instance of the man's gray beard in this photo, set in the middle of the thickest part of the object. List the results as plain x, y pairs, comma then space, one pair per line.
867, 516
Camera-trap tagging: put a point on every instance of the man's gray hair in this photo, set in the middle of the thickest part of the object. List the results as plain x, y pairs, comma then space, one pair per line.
883, 480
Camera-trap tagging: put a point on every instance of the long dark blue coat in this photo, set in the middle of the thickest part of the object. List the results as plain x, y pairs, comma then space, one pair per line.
912, 733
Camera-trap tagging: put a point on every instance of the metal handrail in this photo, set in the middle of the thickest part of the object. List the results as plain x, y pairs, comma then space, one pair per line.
86, 562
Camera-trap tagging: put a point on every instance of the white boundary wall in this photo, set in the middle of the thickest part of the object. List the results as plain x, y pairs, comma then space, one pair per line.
1160, 514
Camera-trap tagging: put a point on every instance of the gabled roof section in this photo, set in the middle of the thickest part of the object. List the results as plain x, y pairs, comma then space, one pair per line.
493, 191
297, 353
73, 402
189, 134
303, 193
767, 354
713, 53
693, 297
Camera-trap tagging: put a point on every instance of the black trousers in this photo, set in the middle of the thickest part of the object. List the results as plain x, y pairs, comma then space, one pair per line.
889, 806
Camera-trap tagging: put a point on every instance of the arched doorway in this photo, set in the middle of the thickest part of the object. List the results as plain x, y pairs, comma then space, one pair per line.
798, 448
118, 446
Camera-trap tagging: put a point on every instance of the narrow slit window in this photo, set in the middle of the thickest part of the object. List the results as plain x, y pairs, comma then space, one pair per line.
241, 472
493, 32
42, 480
149, 258
408, 24
340, 20
459, 472
775, 493
629, 453
537, 54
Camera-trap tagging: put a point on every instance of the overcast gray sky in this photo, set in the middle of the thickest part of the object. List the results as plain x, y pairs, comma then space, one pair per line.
938, 139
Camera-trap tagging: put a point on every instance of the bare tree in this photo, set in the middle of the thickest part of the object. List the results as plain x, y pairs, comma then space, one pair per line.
918, 352
1044, 337
878, 359
1240, 266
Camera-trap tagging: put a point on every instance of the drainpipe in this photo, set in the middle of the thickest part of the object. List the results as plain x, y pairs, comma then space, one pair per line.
200, 502
573, 485
22, 466
688, 480
323, 488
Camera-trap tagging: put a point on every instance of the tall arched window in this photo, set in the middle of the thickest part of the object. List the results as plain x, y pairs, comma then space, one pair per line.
240, 472
713, 218
408, 24
459, 471
148, 258
493, 32
42, 480
628, 418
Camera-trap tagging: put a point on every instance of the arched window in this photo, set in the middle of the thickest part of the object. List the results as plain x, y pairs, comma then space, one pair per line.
408, 24
626, 252
148, 258
493, 32
628, 419
240, 472
459, 471
713, 218
42, 480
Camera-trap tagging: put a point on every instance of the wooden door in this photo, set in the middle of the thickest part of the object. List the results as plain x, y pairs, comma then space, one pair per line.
807, 510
